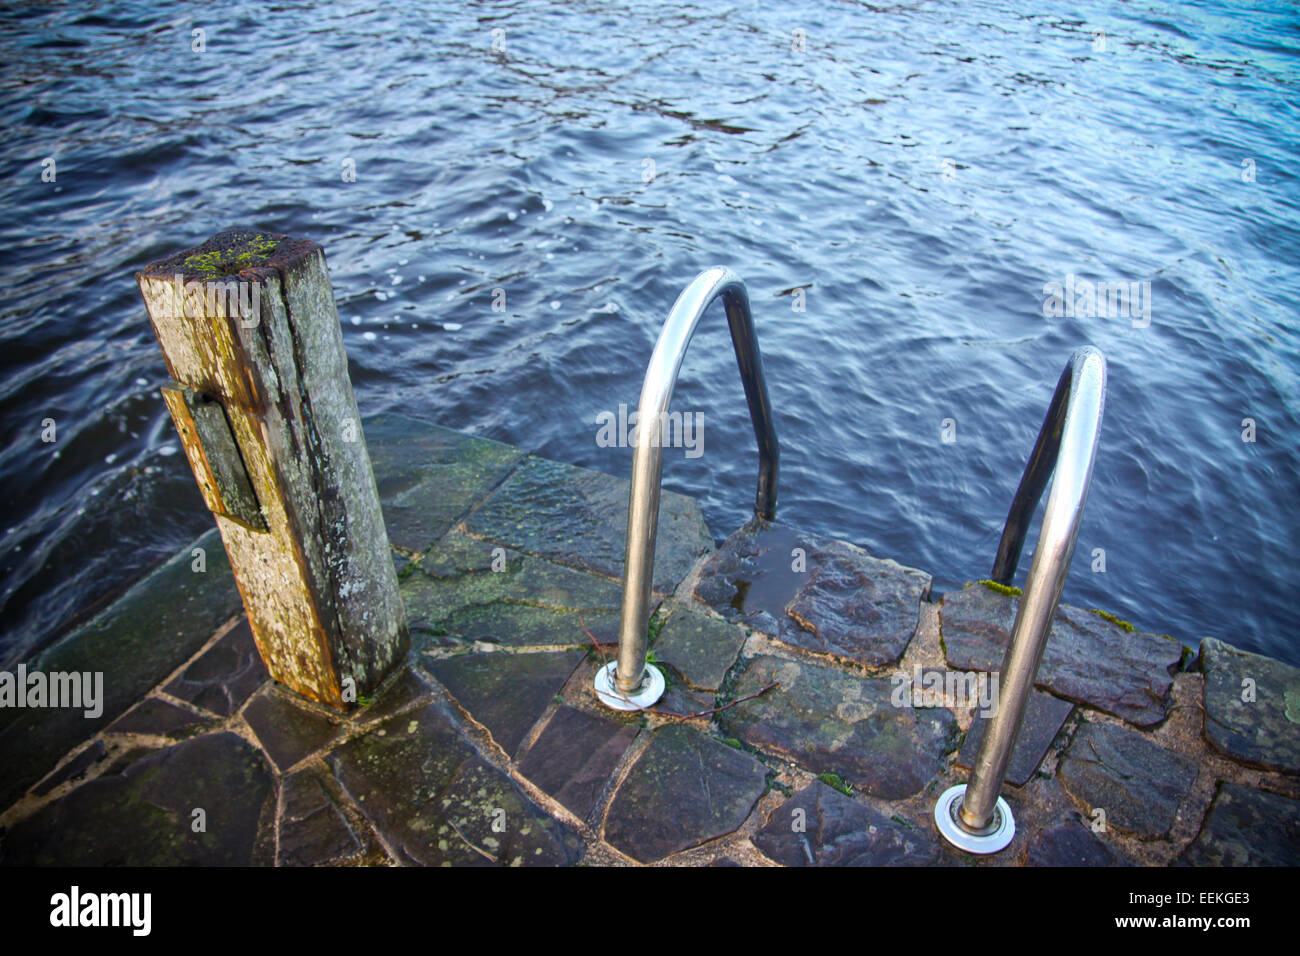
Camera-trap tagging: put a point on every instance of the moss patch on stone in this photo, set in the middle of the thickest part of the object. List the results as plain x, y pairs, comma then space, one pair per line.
1008, 590
836, 782
1106, 615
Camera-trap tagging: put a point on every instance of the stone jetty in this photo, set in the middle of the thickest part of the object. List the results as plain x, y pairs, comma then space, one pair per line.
810, 718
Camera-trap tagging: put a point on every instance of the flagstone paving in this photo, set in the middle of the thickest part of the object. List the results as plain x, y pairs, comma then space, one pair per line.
832, 722
1045, 715
819, 826
1088, 659
814, 593
790, 733
1252, 706
1138, 783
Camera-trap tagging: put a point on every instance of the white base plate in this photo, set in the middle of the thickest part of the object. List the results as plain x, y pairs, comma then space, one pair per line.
999, 839
652, 688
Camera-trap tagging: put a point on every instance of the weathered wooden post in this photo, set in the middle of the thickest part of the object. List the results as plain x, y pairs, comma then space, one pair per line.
265, 410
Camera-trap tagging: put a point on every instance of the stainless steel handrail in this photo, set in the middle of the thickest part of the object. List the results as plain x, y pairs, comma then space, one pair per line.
974, 816
647, 458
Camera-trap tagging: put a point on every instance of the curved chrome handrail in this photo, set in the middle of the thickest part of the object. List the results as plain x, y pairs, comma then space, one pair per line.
647, 458
1067, 448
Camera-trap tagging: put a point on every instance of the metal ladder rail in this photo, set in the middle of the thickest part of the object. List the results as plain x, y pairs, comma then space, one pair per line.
629, 683
974, 816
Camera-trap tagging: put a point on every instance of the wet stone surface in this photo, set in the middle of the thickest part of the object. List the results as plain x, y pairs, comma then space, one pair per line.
819, 826
1071, 843
1264, 727
578, 517
476, 591
699, 648
429, 477
140, 812
399, 690
135, 642
158, 717
436, 802
814, 593
680, 699
224, 676
686, 788
1087, 659
1135, 781
827, 721
506, 693
73, 769
312, 830
1045, 715
575, 755
1247, 827
287, 732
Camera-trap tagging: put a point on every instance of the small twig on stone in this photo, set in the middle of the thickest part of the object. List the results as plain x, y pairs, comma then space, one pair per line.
476, 849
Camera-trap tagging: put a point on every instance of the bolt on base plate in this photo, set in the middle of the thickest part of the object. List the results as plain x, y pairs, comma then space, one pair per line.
1000, 833
652, 688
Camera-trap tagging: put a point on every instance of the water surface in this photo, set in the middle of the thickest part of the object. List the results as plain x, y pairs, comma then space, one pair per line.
918, 172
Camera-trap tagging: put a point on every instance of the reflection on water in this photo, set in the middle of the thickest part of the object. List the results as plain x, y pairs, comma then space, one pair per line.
896, 196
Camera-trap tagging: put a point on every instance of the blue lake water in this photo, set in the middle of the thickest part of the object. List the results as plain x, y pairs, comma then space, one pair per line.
920, 171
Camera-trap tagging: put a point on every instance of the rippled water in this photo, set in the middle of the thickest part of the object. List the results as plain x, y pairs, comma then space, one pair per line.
921, 170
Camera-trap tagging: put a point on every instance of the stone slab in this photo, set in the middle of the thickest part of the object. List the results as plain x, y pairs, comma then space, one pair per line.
224, 676
820, 826
828, 721
1264, 728
680, 700
1045, 715
74, 769
286, 731
429, 477
1071, 843
574, 757
312, 830
506, 693
1088, 659
685, 789
1133, 779
578, 517
135, 642
1247, 827
701, 649
435, 802
154, 716
400, 690
140, 812
477, 591
815, 593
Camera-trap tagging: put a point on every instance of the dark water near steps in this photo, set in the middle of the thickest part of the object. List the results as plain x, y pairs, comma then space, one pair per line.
922, 169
